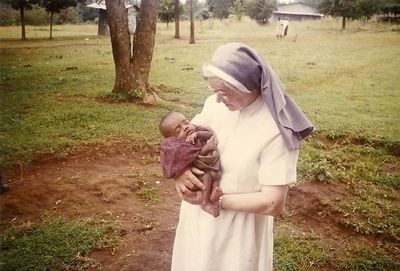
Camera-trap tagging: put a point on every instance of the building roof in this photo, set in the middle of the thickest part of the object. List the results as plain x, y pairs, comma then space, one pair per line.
297, 9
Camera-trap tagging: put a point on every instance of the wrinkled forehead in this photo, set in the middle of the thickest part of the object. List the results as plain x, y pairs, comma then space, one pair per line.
216, 84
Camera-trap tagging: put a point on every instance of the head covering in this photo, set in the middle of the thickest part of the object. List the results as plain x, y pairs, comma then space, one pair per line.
241, 66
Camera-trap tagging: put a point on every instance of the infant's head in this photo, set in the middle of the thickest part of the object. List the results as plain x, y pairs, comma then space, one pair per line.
175, 124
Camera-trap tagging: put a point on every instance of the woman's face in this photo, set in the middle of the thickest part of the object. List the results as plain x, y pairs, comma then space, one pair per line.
232, 98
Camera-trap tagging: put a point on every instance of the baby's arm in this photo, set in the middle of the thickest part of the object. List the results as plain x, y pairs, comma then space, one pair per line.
199, 134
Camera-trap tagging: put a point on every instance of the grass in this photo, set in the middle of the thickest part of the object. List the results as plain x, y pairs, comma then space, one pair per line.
52, 102
299, 252
149, 195
53, 243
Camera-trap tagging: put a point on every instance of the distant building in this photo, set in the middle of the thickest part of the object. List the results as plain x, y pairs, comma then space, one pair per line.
296, 12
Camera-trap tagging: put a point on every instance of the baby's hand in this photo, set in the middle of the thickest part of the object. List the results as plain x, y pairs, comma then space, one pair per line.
190, 138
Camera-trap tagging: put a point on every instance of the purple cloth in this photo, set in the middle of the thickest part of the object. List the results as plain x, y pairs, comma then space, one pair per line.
249, 68
177, 154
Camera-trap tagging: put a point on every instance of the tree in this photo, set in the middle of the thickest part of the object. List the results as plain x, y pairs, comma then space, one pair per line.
22, 5
55, 6
237, 9
368, 8
191, 11
347, 9
220, 8
167, 11
391, 8
261, 10
132, 62
177, 11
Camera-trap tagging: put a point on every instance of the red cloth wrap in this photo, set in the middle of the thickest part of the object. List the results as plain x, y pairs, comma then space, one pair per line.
177, 154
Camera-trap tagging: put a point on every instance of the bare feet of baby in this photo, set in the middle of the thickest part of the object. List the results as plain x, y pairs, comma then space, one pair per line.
211, 209
216, 193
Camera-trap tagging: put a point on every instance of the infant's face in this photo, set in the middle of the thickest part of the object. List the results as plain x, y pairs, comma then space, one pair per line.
177, 125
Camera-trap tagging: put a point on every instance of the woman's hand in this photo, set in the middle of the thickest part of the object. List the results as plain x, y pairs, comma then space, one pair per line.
186, 183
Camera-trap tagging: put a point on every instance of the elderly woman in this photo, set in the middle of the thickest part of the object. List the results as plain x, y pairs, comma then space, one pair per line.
259, 130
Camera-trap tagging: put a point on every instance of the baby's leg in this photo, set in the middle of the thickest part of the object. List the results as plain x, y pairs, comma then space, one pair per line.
206, 204
216, 190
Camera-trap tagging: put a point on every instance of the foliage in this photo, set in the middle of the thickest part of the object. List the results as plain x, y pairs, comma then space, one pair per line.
202, 14
261, 10
8, 16
220, 8
37, 16
22, 4
352, 9
87, 14
391, 8
69, 15
54, 243
166, 12
57, 5
238, 9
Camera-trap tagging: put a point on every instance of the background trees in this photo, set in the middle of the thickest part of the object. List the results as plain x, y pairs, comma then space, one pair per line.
55, 6
22, 5
261, 10
351, 9
166, 13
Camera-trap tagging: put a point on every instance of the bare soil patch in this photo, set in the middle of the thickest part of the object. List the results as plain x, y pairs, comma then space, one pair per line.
100, 183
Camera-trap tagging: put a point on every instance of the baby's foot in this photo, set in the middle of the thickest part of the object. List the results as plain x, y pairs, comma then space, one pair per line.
211, 209
216, 193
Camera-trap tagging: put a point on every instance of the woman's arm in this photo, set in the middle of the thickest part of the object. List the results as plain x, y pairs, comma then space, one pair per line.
270, 200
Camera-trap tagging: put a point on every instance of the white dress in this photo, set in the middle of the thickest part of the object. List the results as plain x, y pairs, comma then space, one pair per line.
252, 154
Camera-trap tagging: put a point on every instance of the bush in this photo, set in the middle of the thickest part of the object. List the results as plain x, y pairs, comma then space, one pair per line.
8, 16
36, 16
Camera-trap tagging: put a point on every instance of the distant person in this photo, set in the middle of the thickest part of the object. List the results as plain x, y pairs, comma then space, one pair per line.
191, 145
279, 29
285, 26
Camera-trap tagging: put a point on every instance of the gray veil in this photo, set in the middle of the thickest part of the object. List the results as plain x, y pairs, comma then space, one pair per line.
246, 70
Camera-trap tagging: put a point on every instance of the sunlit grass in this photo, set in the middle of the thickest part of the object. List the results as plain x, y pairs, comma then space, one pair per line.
53, 243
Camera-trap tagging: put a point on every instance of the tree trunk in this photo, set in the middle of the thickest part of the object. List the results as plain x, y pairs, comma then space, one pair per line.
51, 24
191, 41
143, 45
103, 29
132, 68
176, 15
120, 41
22, 18
343, 23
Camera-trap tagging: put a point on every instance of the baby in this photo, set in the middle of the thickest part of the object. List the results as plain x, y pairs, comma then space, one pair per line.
187, 145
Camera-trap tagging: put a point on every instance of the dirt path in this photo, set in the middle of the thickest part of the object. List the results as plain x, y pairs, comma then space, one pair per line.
101, 184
